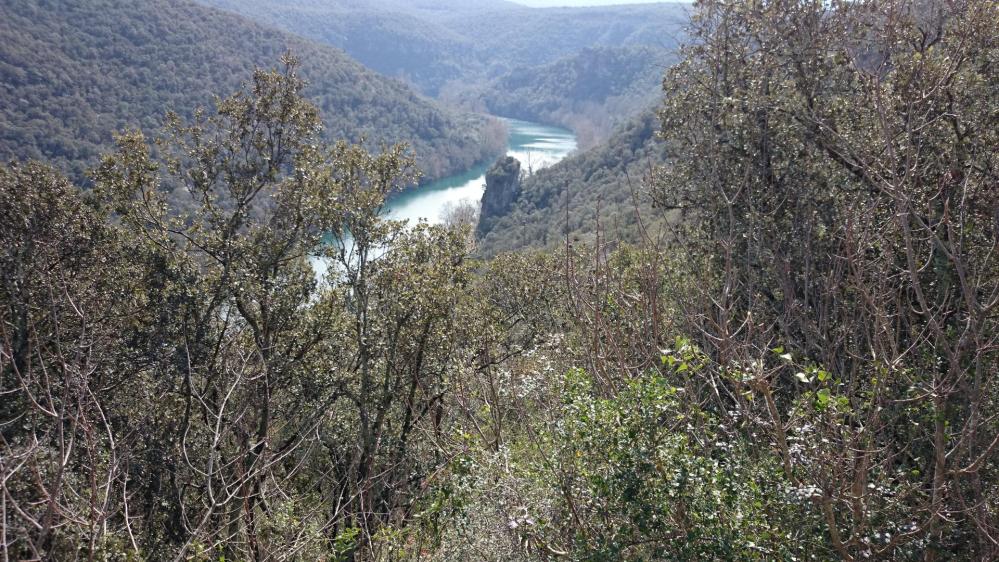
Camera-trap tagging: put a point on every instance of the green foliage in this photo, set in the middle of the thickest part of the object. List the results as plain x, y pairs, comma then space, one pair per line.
635, 485
838, 191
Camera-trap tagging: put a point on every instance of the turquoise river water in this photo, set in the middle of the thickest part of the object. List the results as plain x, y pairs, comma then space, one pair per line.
536, 146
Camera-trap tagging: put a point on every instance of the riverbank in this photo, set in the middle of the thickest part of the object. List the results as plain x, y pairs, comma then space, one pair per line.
535, 145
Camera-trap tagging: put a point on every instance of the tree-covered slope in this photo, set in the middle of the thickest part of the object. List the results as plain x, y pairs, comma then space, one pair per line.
602, 185
514, 38
436, 44
591, 92
395, 42
72, 72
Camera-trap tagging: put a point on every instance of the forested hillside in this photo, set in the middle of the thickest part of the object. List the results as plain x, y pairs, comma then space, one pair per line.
604, 185
392, 39
537, 36
74, 72
591, 92
435, 44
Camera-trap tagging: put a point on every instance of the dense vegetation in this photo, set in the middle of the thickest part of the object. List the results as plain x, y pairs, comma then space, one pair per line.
836, 167
600, 189
73, 72
456, 43
592, 92
806, 369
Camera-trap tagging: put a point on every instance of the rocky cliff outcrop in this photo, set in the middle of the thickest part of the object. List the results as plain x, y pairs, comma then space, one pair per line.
502, 190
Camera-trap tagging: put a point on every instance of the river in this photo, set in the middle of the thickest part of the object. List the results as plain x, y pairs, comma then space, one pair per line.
536, 146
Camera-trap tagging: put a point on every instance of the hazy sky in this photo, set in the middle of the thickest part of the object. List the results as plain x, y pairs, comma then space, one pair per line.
546, 3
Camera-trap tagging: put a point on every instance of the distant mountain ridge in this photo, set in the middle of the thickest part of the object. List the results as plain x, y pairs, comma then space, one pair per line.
72, 72
436, 44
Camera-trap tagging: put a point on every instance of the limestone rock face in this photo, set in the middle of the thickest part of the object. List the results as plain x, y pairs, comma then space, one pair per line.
502, 189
